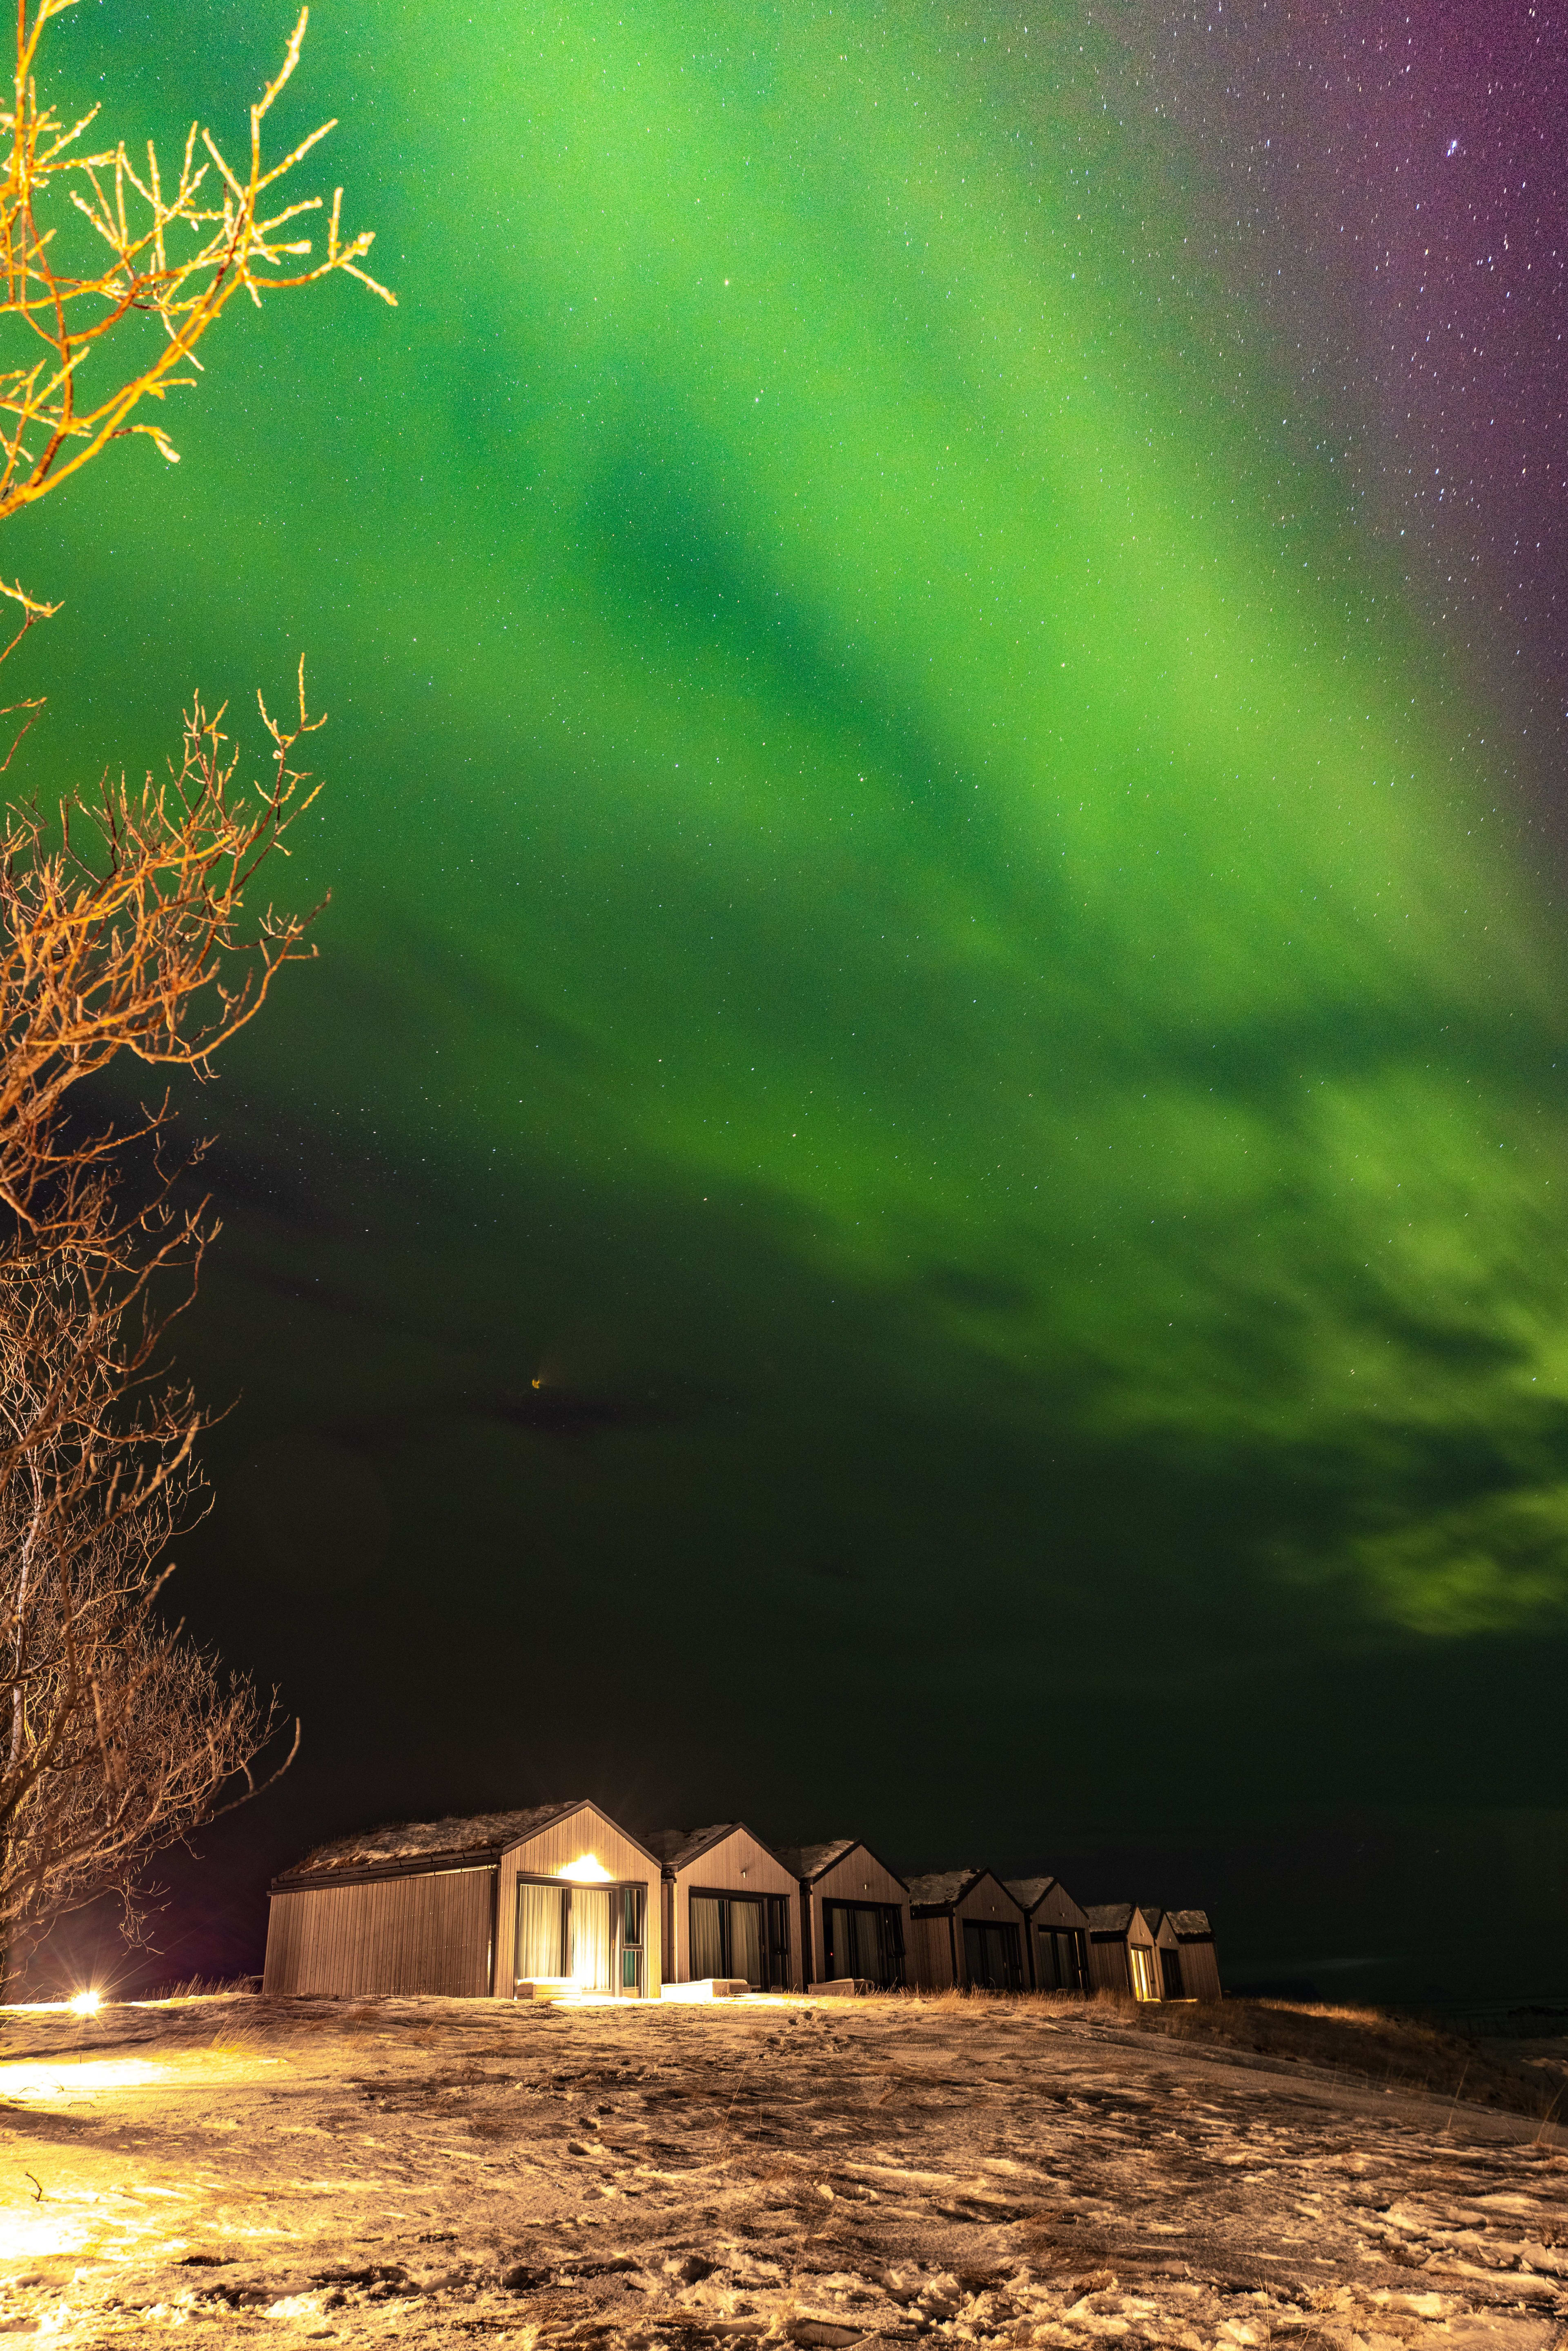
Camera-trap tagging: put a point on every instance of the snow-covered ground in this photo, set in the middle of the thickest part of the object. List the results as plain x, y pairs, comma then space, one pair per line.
433, 2172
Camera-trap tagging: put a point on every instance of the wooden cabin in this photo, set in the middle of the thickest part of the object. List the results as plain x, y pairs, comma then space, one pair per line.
1122, 1950
1197, 1962
731, 1909
854, 1915
966, 1932
503, 1905
1056, 1934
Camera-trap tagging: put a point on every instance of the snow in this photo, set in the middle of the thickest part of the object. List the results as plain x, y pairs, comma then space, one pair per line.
675, 2176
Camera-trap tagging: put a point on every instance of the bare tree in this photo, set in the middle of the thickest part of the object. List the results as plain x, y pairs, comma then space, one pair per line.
125, 935
123, 931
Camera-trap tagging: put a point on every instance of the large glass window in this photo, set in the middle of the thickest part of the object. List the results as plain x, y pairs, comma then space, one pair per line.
731, 1937
863, 1940
541, 1931
993, 1956
592, 1935
1062, 1963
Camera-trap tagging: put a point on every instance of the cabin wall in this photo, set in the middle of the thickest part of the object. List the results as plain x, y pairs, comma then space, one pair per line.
429, 1933
737, 1865
1200, 1972
1108, 1969
1058, 1909
988, 1900
931, 1954
858, 1877
586, 1831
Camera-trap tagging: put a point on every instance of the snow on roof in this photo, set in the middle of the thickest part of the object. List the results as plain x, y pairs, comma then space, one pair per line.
676, 1847
1190, 1922
1110, 1918
1027, 1891
811, 1860
940, 1886
433, 1840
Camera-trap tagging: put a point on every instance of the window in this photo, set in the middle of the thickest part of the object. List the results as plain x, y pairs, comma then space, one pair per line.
993, 1956
1141, 1965
863, 1940
591, 1934
778, 1968
1062, 1963
742, 1936
633, 1906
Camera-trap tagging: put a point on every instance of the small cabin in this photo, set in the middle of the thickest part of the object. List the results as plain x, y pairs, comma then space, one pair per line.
554, 1899
1123, 1956
854, 1915
731, 1909
1197, 1962
1056, 1934
966, 1932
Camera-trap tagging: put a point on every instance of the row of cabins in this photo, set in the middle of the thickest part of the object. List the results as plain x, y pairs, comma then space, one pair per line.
524, 1905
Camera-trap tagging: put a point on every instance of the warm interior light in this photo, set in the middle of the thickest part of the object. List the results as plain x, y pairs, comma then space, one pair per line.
85, 2003
587, 1871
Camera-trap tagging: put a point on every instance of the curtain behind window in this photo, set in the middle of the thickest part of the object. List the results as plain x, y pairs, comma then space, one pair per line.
868, 1961
590, 1937
745, 1942
590, 1967
707, 1938
540, 1940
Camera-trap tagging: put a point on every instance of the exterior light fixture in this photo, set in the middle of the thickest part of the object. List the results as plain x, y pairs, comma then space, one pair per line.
587, 1871
85, 2003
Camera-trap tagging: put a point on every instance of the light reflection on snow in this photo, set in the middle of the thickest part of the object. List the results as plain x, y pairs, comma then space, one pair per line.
29, 2080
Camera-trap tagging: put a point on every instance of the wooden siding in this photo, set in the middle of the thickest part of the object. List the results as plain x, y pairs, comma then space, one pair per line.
424, 1934
931, 1954
737, 1863
988, 1900
586, 1831
858, 1876
1057, 1909
1200, 1970
1108, 1969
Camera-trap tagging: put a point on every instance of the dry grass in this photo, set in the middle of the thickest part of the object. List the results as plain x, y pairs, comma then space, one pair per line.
1369, 2044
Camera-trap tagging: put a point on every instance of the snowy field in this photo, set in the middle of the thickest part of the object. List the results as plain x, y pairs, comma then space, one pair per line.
431, 2172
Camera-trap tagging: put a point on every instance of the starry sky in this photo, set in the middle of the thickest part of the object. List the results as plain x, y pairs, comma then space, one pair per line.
920, 1188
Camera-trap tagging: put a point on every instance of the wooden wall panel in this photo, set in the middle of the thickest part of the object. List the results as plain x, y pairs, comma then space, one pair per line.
737, 1865
1108, 1964
988, 1900
858, 1877
1057, 1909
930, 1954
424, 1934
1200, 1972
586, 1831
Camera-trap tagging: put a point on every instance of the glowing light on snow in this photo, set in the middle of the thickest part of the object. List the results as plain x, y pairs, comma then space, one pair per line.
85, 2003
587, 1871
43, 2081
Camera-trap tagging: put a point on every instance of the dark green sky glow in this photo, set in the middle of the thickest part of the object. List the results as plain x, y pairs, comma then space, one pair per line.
920, 933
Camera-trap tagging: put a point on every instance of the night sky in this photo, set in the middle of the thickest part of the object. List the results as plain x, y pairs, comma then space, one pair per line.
920, 1190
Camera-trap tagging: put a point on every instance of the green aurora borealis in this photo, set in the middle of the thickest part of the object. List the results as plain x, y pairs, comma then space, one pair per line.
918, 931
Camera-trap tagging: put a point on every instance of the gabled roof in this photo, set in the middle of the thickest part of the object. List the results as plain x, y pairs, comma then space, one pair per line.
1027, 1891
940, 1888
809, 1862
474, 1837
1190, 1923
1152, 1913
676, 1847
1111, 1918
